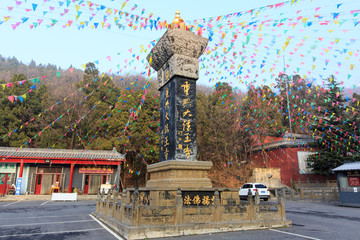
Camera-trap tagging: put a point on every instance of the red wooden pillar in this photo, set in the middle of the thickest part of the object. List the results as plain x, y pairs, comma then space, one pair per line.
71, 177
21, 169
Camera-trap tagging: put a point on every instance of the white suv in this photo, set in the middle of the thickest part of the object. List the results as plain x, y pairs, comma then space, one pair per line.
263, 191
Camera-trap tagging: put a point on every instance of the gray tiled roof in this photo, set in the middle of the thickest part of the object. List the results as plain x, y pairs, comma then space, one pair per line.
284, 143
348, 166
60, 153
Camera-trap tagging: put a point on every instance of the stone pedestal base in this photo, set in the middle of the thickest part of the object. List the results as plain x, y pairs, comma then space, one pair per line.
147, 232
179, 174
145, 213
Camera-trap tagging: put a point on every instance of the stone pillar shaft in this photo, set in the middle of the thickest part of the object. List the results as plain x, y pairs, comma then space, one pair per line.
175, 58
178, 120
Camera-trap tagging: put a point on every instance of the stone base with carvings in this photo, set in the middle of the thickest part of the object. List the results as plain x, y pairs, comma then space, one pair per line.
153, 212
183, 174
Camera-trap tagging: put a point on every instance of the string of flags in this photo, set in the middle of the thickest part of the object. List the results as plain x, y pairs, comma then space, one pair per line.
246, 49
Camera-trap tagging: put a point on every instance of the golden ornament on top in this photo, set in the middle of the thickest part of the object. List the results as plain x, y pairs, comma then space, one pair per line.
178, 22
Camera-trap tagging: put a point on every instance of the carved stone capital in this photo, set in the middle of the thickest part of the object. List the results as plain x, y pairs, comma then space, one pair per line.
176, 41
178, 65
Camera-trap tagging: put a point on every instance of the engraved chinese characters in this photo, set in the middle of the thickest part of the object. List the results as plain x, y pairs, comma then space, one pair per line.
167, 125
178, 120
198, 198
186, 148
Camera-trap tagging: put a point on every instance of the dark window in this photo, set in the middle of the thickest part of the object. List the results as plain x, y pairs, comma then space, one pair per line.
103, 179
86, 179
39, 179
260, 186
247, 186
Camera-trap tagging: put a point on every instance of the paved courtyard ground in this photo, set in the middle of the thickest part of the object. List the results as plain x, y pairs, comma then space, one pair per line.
72, 220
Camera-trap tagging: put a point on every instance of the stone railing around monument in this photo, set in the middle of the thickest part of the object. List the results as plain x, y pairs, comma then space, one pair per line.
319, 193
137, 207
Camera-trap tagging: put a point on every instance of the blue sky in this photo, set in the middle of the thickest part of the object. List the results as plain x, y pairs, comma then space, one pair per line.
72, 46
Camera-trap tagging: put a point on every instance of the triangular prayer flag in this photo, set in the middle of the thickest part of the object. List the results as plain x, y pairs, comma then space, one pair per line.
335, 15
11, 98
24, 19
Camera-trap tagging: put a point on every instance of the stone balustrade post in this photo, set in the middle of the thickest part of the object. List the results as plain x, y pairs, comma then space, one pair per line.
217, 213
281, 208
115, 201
179, 208
135, 208
312, 194
128, 200
257, 198
251, 213
122, 208
108, 202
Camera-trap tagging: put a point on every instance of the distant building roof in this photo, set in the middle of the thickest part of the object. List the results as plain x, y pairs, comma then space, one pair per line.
348, 166
45, 153
282, 142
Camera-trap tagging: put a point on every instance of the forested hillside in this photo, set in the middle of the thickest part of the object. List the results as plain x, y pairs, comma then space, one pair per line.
48, 107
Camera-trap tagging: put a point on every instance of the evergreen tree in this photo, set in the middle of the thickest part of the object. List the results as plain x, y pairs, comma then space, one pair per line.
332, 131
17, 117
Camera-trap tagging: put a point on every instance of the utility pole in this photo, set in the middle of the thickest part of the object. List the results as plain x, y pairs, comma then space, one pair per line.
287, 96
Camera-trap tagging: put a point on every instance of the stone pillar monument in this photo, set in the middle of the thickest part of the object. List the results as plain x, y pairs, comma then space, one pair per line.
178, 198
175, 58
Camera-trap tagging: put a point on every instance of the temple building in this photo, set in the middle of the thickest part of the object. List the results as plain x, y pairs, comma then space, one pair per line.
40, 171
289, 156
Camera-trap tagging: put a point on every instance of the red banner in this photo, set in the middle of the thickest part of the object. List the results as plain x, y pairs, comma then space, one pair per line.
354, 181
103, 170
